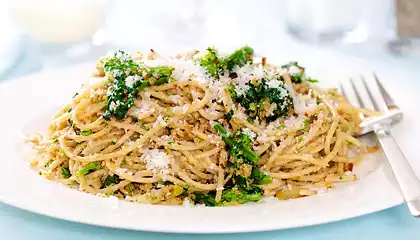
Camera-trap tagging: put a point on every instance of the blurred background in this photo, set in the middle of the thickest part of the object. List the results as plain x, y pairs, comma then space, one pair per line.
42, 34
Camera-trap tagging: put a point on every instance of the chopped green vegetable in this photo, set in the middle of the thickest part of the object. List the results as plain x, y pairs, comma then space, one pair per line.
229, 197
260, 177
161, 74
134, 137
236, 196
86, 132
122, 92
207, 199
220, 129
306, 124
71, 123
186, 188
239, 58
65, 172
228, 115
239, 144
166, 183
131, 187
299, 139
256, 95
92, 166
63, 152
111, 180
282, 126
235, 165
231, 90
251, 184
212, 63
266, 180
247, 185
311, 80
216, 65
142, 85
170, 143
296, 71
121, 97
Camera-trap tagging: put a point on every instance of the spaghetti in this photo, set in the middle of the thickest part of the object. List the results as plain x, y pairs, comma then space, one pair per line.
200, 128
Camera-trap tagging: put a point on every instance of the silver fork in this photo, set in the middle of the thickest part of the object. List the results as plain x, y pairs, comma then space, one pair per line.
382, 102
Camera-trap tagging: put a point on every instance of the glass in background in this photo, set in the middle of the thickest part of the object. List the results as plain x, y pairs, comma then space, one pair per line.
166, 25
326, 21
61, 31
356, 27
407, 28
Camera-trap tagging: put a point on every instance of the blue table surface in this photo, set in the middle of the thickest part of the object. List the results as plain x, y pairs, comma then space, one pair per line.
394, 223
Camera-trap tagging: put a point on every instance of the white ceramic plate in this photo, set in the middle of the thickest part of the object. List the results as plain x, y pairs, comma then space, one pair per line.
27, 104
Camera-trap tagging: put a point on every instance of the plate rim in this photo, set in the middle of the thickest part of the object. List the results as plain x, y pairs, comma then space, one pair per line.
21, 204
224, 231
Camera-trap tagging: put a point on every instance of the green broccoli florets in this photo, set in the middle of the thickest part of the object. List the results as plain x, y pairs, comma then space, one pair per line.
121, 95
297, 73
217, 65
254, 98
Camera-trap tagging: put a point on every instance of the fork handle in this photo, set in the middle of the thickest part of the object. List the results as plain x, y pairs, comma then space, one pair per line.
406, 178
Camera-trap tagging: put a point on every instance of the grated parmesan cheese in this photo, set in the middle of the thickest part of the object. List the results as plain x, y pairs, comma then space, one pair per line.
155, 159
153, 63
186, 70
274, 83
160, 122
293, 122
245, 75
117, 73
270, 111
175, 98
240, 113
294, 70
129, 81
181, 109
145, 107
250, 133
121, 170
304, 104
112, 106
187, 203
167, 138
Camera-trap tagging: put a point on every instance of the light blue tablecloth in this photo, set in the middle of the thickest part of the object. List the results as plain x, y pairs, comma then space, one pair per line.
394, 223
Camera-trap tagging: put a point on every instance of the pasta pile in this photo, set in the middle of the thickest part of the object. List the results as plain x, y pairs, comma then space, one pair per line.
200, 128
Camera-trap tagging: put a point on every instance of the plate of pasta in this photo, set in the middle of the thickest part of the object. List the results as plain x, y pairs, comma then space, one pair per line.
199, 142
